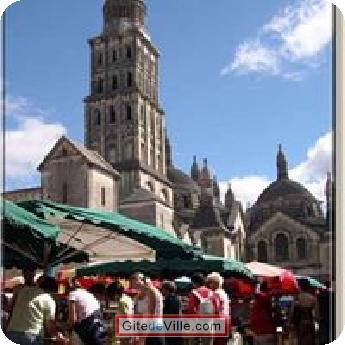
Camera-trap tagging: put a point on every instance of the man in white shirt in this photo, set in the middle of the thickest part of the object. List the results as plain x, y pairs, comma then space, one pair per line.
85, 317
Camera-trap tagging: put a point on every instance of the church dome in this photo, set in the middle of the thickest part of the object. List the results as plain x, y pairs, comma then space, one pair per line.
285, 196
284, 188
181, 179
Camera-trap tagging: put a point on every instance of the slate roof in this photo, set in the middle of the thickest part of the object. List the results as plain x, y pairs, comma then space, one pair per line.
140, 194
92, 157
207, 217
181, 179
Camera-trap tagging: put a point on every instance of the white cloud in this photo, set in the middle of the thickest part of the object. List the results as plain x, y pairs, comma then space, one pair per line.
292, 39
253, 56
245, 188
317, 163
27, 143
311, 172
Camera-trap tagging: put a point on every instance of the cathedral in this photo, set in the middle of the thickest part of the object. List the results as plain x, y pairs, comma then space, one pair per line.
126, 165
286, 226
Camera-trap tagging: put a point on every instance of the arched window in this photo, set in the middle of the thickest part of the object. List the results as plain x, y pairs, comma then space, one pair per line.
281, 245
262, 251
129, 79
97, 117
301, 248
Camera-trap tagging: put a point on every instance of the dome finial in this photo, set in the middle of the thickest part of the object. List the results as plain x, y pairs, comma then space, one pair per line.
282, 165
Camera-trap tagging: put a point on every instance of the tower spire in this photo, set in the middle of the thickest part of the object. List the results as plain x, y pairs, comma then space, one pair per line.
216, 190
195, 170
205, 180
229, 197
282, 165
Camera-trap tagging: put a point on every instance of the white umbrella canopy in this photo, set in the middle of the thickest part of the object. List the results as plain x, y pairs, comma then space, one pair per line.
101, 244
261, 269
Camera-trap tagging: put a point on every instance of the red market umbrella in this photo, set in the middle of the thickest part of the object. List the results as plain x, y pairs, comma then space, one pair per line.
240, 287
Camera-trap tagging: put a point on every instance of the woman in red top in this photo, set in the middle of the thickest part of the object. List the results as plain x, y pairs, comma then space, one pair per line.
261, 320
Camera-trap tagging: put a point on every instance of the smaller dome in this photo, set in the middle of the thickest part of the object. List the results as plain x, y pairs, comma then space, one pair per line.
181, 179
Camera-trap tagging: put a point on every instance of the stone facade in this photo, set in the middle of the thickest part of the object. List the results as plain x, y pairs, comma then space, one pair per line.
146, 207
124, 121
76, 176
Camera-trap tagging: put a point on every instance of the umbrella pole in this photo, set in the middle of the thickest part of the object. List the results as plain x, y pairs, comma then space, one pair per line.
46, 255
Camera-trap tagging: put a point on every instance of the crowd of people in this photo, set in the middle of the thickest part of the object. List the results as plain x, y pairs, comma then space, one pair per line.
36, 316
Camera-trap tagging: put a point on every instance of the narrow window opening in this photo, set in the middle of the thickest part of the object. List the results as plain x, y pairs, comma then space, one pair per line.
129, 112
64, 193
103, 201
129, 79
112, 118
115, 55
115, 82
100, 85
129, 52
98, 118
100, 59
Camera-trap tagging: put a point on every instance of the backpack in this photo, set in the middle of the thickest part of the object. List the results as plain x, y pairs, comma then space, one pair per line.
206, 305
92, 330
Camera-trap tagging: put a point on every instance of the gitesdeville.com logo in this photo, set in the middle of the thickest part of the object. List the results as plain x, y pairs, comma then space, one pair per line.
172, 326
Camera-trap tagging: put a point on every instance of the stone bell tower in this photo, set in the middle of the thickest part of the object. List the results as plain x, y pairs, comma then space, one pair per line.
123, 118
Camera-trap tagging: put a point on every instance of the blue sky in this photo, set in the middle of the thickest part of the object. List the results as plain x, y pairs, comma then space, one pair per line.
236, 80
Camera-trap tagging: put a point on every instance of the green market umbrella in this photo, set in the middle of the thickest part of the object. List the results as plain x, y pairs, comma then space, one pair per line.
312, 282
169, 267
28, 241
165, 244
